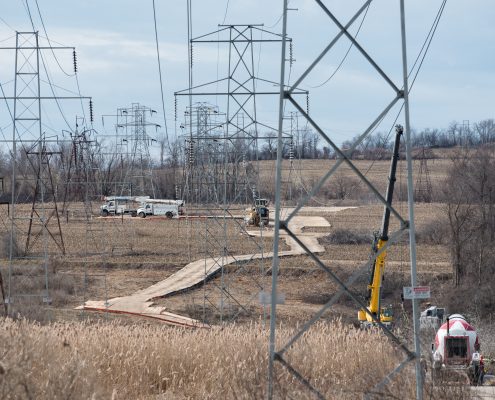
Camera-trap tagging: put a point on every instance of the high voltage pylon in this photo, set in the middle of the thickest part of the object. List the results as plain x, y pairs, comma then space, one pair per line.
423, 190
44, 206
132, 150
241, 89
203, 161
80, 169
227, 172
28, 279
278, 352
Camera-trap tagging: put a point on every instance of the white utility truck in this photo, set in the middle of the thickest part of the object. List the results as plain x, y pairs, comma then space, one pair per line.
118, 205
169, 208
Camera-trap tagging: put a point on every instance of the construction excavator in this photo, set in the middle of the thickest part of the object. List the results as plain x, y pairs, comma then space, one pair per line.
382, 314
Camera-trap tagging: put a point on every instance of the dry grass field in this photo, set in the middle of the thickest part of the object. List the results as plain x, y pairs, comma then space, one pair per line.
103, 361
87, 355
345, 185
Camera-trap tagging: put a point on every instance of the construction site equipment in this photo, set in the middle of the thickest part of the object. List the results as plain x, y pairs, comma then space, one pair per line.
150, 208
382, 314
179, 203
456, 352
259, 213
432, 317
118, 205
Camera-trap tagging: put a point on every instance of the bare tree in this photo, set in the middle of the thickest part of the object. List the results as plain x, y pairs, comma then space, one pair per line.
485, 130
469, 191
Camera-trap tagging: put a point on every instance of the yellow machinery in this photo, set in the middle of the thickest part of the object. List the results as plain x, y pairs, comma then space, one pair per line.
259, 214
382, 314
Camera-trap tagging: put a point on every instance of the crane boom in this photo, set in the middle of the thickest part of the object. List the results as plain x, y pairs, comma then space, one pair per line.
383, 314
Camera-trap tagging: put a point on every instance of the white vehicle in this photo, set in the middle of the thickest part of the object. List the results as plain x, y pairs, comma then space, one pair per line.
118, 205
456, 351
432, 318
151, 208
179, 203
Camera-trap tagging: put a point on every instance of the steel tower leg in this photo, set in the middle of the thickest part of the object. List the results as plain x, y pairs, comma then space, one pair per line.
410, 202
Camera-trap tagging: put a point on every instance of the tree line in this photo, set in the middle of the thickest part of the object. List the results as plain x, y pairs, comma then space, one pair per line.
307, 144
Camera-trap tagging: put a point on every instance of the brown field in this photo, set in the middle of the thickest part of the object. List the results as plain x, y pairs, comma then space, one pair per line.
112, 257
129, 357
305, 173
120, 256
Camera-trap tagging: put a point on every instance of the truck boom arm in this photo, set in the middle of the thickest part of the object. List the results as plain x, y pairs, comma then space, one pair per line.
376, 277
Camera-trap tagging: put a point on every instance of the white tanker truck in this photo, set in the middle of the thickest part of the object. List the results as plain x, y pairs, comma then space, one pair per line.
456, 352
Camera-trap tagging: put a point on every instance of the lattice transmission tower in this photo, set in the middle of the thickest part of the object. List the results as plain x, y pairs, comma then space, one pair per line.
239, 91
44, 206
132, 151
229, 174
280, 351
423, 190
80, 164
203, 159
37, 226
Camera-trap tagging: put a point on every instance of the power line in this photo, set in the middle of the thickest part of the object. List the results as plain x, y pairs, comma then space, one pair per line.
58, 63
161, 79
26, 5
7, 39
426, 43
226, 11
48, 39
5, 22
346, 54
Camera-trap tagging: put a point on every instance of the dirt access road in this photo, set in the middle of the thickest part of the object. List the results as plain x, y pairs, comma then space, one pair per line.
141, 302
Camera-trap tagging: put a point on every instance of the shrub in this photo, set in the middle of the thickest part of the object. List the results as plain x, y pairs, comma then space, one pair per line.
435, 232
346, 236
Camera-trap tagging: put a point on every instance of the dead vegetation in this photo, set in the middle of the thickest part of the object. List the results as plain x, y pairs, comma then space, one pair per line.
346, 236
108, 360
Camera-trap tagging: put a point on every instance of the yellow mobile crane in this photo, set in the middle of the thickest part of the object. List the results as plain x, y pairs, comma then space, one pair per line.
382, 314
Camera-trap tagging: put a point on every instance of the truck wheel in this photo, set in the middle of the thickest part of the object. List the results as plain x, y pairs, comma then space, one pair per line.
169, 214
104, 213
133, 213
142, 215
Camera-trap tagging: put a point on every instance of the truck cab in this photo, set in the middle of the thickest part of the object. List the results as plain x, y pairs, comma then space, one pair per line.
115, 206
261, 206
432, 317
118, 205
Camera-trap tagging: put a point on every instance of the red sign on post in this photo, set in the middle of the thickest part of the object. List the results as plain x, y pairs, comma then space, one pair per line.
416, 292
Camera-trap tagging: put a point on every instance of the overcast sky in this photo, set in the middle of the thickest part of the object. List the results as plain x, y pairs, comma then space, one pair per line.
117, 61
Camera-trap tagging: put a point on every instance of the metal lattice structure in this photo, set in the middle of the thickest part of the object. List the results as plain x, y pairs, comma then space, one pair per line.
239, 91
278, 355
132, 151
80, 169
44, 206
225, 177
39, 227
28, 130
204, 161
424, 190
